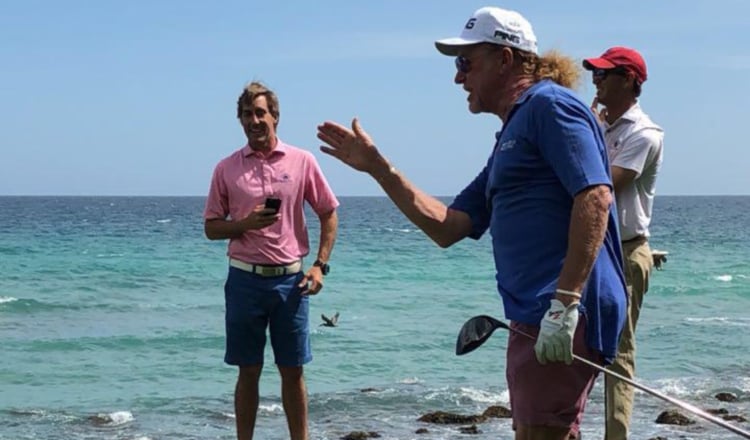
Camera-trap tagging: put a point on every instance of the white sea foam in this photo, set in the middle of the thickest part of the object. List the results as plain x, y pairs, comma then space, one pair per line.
7, 299
724, 278
273, 408
165, 220
116, 418
723, 320
398, 230
745, 384
484, 396
121, 417
678, 387
411, 381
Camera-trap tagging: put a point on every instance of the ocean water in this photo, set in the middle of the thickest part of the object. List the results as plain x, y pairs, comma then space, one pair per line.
111, 324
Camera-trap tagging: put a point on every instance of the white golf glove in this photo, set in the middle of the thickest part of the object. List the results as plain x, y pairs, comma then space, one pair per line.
555, 340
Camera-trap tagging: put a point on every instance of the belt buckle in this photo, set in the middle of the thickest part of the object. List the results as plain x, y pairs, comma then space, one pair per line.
270, 271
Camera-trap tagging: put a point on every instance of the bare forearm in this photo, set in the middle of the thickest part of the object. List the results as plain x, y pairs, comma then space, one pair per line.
218, 229
588, 225
442, 225
329, 224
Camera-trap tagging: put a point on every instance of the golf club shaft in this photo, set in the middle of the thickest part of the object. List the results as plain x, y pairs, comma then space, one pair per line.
695, 410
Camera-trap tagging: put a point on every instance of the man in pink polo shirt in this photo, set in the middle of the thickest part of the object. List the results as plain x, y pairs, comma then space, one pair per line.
266, 285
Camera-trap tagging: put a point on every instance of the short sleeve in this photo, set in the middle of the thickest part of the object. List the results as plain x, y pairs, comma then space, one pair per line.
571, 141
473, 201
637, 149
217, 202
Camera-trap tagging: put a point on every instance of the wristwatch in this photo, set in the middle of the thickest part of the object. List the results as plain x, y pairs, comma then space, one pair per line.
324, 267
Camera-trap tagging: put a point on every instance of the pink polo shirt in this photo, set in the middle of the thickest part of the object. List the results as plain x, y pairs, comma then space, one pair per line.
244, 179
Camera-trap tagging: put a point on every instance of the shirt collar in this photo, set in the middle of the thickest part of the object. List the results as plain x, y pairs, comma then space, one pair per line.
525, 96
631, 115
281, 148
528, 93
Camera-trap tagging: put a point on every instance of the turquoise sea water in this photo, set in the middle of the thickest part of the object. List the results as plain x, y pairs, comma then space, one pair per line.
111, 324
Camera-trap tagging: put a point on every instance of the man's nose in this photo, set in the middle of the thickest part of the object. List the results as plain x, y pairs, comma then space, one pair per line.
460, 77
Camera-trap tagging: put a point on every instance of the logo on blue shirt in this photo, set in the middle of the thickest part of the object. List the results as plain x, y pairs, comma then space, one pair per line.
507, 145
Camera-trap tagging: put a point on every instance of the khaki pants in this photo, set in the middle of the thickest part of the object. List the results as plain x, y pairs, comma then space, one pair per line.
619, 395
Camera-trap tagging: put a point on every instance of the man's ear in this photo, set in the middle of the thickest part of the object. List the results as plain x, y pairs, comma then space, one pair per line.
630, 83
506, 59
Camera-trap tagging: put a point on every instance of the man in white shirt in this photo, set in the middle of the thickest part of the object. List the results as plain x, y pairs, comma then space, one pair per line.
634, 145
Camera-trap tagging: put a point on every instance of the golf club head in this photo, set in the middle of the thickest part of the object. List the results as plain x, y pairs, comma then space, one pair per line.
478, 329
474, 333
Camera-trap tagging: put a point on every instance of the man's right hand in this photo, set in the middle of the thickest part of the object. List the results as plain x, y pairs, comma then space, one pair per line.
261, 217
601, 115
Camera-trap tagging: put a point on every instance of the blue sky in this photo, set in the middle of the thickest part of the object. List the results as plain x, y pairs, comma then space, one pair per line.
138, 98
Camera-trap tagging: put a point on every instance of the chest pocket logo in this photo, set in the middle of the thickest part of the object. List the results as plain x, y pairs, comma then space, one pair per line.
508, 145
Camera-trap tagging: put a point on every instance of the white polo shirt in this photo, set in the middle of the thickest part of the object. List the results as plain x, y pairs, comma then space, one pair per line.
635, 143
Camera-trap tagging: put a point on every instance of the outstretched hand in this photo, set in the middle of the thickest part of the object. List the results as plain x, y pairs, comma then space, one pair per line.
352, 146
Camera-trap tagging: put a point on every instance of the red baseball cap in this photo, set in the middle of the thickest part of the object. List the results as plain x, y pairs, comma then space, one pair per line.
619, 56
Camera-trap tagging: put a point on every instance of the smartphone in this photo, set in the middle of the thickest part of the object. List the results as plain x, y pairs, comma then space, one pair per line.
273, 203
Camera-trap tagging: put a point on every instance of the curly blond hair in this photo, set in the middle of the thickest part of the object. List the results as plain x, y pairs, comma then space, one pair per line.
552, 65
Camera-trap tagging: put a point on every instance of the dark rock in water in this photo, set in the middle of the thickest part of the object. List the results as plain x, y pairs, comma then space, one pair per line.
726, 397
100, 419
422, 431
717, 411
734, 418
368, 390
658, 438
497, 411
446, 418
672, 417
360, 435
470, 430
113, 419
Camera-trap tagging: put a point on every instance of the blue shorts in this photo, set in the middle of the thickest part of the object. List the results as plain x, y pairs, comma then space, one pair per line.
252, 303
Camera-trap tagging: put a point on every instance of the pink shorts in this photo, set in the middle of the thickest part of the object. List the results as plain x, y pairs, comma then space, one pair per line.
548, 395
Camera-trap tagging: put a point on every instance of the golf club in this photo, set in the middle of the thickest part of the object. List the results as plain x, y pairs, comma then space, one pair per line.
478, 329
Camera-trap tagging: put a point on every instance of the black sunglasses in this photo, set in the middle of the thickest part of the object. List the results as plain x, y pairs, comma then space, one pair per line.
463, 64
602, 73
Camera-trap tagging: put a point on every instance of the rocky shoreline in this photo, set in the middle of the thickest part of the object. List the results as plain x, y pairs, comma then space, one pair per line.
470, 423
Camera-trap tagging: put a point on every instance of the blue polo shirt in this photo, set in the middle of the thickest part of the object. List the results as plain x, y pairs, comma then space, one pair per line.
550, 149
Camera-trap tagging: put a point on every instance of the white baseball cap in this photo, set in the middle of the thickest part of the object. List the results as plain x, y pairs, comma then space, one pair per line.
492, 25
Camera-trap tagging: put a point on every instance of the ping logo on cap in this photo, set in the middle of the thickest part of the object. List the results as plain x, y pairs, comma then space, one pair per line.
508, 37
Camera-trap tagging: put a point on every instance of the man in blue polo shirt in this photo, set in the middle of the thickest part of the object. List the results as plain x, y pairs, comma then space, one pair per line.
545, 196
